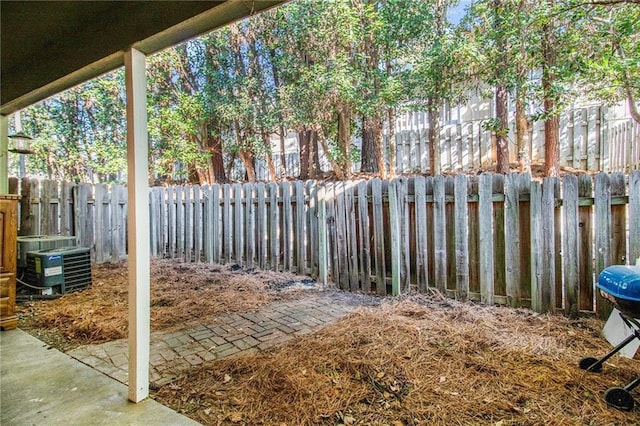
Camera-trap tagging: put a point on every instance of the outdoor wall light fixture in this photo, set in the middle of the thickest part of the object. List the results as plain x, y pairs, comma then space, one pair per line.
21, 143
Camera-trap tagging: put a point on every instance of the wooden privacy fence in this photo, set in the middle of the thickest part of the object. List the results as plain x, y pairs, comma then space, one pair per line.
95, 214
589, 140
509, 240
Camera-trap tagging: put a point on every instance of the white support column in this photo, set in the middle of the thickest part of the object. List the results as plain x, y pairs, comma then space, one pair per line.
138, 226
4, 155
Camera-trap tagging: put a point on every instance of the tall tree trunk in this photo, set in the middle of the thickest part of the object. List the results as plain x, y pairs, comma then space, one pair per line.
379, 143
502, 132
523, 139
249, 165
217, 171
304, 145
368, 161
213, 145
245, 154
551, 141
283, 154
551, 124
314, 158
433, 137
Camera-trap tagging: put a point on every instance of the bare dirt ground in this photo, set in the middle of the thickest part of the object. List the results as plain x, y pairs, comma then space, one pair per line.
412, 360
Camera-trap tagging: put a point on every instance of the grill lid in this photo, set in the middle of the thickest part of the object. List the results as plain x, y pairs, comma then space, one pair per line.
621, 282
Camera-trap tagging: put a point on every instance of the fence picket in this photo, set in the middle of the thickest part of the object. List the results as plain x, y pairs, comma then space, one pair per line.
341, 235
172, 217
197, 223
180, 237
274, 217
227, 232
189, 227
118, 222
238, 238
351, 237
404, 217
585, 243
207, 224
66, 209
461, 236
154, 218
261, 226
547, 215
487, 274
602, 207
450, 234
312, 250
422, 261
332, 244
512, 238
439, 234
249, 224
216, 226
537, 247
570, 246
499, 266
100, 219
287, 227
474, 238
364, 255
378, 237
299, 238
618, 220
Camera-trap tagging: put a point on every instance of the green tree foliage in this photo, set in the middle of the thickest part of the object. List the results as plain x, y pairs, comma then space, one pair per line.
611, 61
80, 134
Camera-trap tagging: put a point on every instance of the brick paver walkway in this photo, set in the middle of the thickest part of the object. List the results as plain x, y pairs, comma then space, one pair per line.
220, 337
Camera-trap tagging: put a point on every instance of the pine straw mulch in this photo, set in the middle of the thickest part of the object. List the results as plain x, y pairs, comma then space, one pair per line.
415, 360
181, 294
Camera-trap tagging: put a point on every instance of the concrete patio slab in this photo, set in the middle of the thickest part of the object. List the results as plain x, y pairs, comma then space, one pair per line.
42, 386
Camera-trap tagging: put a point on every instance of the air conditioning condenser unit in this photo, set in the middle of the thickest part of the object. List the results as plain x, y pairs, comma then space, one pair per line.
59, 270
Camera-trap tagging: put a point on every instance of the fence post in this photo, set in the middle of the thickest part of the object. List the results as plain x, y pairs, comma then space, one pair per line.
378, 236
487, 274
395, 238
439, 235
602, 201
249, 224
512, 238
548, 245
536, 246
364, 237
461, 236
322, 236
570, 244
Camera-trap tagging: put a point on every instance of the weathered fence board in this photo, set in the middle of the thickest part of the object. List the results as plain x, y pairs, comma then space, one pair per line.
570, 246
461, 236
487, 274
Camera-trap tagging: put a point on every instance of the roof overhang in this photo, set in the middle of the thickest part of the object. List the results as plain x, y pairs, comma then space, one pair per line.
50, 46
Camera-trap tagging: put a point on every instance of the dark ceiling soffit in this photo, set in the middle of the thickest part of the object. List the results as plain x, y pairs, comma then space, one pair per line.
203, 23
